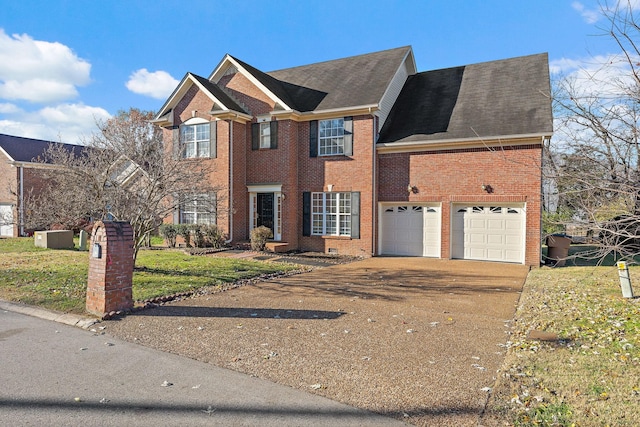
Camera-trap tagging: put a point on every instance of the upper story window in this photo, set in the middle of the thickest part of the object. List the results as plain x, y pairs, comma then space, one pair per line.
331, 137
264, 135
196, 140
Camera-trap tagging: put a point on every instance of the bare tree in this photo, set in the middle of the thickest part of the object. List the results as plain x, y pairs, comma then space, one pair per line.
126, 173
593, 164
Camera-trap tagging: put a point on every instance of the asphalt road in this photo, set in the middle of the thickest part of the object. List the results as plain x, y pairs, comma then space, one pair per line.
55, 374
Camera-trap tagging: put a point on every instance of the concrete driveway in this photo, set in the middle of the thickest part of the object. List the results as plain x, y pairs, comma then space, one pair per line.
416, 339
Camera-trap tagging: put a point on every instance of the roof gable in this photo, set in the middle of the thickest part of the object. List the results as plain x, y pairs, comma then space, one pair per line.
219, 98
292, 97
269, 86
28, 150
500, 98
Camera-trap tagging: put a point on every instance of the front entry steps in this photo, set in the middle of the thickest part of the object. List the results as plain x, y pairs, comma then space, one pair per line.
277, 247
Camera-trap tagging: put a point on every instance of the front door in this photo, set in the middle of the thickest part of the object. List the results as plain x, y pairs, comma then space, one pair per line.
264, 210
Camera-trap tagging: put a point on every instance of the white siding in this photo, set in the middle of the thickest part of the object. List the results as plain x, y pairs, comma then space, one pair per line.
390, 96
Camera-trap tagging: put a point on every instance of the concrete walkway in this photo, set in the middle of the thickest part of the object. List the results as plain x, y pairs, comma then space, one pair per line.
55, 374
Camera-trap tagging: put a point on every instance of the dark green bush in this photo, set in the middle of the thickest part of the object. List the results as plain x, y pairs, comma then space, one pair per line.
213, 235
198, 235
184, 230
169, 232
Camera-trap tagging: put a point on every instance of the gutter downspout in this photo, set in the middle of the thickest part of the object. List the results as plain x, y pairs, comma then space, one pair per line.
21, 203
374, 198
230, 183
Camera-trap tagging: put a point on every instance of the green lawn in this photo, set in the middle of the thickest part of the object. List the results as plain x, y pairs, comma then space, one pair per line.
590, 375
57, 279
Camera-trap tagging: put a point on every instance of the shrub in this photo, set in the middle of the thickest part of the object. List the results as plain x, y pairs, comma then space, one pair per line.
199, 238
169, 232
184, 230
214, 236
259, 237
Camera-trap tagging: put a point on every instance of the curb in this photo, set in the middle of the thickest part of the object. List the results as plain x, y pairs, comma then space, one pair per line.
66, 318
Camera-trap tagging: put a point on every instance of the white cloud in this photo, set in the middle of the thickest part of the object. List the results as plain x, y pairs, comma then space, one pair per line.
591, 16
157, 84
604, 76
6, 108
39, 71
70, 123
37, 90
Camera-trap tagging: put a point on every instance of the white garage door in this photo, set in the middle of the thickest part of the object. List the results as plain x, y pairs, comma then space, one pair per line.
489, 233
6, 221
412, 230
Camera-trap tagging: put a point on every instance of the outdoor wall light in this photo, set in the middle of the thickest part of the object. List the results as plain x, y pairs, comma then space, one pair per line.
488, 188
412, 189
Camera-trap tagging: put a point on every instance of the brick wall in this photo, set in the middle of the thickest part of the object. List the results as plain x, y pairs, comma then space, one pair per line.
196, 101
244, 91
240, 202
456, 176
345, 173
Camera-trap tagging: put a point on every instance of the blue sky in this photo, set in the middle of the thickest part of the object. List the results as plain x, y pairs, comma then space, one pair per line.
66, 63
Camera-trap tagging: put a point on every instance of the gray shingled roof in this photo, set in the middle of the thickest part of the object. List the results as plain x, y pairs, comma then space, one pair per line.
31, 150
498, 98
347, 82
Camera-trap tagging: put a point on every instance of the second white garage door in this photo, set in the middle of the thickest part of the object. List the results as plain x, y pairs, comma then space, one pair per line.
410, 230
489, 233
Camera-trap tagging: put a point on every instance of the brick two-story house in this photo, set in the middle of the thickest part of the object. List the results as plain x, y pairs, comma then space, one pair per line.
366, 156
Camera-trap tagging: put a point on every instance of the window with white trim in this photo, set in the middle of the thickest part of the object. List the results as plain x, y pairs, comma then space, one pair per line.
331, 137
195, 140
331, 214
199, 209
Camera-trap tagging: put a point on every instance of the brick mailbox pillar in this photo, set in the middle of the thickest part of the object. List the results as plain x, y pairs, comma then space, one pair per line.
110, 268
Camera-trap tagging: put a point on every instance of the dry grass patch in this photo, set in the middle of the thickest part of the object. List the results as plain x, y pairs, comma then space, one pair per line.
590, 374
